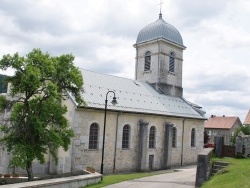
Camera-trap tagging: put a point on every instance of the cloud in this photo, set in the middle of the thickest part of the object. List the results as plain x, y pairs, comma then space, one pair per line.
100, 34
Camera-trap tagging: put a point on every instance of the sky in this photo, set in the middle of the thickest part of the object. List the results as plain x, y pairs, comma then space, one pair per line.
101, 33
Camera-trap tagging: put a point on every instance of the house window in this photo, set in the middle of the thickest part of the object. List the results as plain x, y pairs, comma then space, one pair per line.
93, 136
125, 137
147, 61
151, 143
193, 137
172, 62
174, 137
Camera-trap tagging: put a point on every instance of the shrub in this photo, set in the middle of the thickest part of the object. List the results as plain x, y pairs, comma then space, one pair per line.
15, 175
6, 175
244, 129
90, 169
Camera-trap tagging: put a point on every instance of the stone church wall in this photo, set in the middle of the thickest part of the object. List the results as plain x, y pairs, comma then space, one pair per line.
117, 159
187, 154
152, 75
176, 78
159, 76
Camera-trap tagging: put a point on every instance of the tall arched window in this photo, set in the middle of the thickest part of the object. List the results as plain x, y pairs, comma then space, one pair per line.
125, 137
174, 133
147, 64
193, 137
171, 61
93, 136
151, 143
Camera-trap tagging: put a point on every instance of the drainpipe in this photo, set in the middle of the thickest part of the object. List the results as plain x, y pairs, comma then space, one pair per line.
136, 64
116, 135
159, 70
73, 118
183, 123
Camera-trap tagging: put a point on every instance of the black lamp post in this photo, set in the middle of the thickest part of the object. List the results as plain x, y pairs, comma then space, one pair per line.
114, 102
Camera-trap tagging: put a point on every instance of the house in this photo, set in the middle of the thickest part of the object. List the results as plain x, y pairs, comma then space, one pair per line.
223, 126
152, 127
247, 119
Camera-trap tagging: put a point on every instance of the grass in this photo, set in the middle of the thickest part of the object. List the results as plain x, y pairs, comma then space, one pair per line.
233, 176
111, 179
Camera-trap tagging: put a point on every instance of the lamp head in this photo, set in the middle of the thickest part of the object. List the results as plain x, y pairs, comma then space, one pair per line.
114, 101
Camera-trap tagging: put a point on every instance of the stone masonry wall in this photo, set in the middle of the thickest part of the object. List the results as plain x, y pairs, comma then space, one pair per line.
117, 159
242, 146
152, 76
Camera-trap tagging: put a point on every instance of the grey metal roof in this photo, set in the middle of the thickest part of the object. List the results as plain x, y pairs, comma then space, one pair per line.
132, 96
159, 30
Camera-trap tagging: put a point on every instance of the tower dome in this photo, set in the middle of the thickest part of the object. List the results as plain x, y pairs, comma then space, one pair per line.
159, 30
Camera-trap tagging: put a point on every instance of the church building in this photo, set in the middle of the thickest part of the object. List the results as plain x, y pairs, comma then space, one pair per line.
152, 126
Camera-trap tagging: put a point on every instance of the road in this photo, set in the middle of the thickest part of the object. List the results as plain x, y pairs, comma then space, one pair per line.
181, 177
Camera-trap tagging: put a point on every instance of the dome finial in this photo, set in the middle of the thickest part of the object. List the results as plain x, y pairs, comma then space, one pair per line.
160, 15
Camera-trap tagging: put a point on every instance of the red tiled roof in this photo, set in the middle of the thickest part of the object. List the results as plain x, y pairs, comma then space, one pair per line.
220, 122
247, 120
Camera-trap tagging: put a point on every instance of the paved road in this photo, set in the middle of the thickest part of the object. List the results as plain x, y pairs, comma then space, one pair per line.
181, 177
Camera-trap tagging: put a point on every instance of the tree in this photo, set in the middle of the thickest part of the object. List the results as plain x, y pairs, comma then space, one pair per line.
36, 123
244, 129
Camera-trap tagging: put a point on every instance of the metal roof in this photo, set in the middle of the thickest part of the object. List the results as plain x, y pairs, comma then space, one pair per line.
159, 30
132, 96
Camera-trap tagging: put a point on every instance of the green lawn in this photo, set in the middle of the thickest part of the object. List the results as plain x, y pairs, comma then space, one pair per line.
234, 176
111, 179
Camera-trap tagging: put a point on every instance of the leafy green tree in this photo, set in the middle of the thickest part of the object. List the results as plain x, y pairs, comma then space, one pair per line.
36, 123
244, 129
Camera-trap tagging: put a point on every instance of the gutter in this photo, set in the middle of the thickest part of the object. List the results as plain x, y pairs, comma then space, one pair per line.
136, 64
144, 113
116, 135
182, 141
158, 79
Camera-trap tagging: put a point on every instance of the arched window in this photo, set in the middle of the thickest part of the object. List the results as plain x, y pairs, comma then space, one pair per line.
125, 137
174, 133
171, 61
193, 137
147, 61
151, 143
93, 136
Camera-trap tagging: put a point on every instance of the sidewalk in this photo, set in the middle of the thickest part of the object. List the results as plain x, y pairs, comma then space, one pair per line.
180, 177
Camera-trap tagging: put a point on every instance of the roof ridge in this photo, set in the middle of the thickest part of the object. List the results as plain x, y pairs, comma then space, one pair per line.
224, 117
108, 74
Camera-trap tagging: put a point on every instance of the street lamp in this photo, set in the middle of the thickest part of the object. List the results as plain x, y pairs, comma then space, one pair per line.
114, 102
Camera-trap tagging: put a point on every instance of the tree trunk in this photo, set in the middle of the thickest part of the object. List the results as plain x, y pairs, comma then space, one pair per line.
29, 171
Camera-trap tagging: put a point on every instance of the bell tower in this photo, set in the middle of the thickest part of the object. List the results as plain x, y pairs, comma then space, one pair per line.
159, 57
